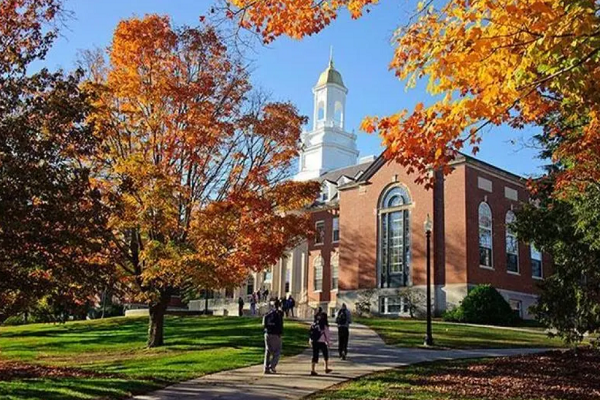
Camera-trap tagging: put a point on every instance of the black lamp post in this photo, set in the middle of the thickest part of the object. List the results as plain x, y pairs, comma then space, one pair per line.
428, 226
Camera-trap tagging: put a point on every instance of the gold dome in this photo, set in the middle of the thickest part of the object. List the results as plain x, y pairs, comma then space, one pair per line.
330, 75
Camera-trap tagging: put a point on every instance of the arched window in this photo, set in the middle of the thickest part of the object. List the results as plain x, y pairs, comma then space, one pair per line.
485, 235
318, 273
394, 237
321, 111
338, 115
512, 245
335, 268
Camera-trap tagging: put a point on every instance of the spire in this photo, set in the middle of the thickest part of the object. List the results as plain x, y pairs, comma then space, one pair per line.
330, 56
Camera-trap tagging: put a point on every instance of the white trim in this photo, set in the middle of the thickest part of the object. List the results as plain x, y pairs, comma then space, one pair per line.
486, 267
513, 273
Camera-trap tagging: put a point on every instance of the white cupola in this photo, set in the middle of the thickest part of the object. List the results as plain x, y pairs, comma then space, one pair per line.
327, 146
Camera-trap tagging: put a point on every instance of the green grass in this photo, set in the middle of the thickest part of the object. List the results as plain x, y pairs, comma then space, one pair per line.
396, 384
194, 346
411, 333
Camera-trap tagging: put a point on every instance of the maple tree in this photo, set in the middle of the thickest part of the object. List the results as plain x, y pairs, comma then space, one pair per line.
488, 62
52, 220
193, 164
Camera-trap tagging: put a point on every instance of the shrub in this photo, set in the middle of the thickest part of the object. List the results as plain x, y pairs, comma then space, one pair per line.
14, 320
483, 305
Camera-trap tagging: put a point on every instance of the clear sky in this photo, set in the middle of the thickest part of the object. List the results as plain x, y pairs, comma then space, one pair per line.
288, 69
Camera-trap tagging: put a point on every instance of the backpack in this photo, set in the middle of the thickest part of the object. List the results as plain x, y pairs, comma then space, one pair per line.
342, 318
315, 332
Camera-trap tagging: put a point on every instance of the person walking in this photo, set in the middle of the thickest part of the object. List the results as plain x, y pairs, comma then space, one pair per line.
320, 339
319, 312
343, 321
273, 329
240, 306
286, 306
291, 305
253, 304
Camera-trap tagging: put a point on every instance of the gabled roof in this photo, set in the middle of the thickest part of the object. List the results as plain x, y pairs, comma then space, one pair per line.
349, 172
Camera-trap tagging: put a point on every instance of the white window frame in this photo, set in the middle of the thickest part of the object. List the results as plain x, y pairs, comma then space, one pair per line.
335, 271
335, 221
533, 250
518, 306
511, 236
321, 222
318, 265
486, 206
395, 202
386, 301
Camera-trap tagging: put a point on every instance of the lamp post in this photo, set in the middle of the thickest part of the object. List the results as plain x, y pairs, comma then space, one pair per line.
428, 226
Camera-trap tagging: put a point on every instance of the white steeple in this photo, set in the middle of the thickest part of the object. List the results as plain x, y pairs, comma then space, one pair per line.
327, 146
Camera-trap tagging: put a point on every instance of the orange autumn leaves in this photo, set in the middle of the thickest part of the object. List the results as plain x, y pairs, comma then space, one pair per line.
295, 18
488, 63
193, 161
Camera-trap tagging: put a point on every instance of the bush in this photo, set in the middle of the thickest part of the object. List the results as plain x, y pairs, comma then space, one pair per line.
14, 320
483, 305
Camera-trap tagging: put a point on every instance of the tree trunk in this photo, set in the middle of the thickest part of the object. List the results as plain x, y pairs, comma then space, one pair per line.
157, 321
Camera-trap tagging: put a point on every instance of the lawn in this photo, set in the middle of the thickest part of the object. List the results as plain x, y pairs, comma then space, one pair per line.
411, 333
553, 375
107, 358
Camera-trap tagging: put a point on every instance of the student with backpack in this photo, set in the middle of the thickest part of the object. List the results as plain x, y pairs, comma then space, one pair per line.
273, 326
343, 321
320, 339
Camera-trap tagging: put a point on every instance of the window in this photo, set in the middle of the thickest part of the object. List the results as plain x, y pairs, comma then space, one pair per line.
321, 111
267, 276
336, 229
320, 234
288, 277
318, 278
393, 305
512, 245
394, 238
536, 263
339, 114
250, 285
517, 307
324, 192
485, 235
335, 270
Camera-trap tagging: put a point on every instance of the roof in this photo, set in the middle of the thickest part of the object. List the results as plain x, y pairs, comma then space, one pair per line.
330, 75
461, 158
350, 172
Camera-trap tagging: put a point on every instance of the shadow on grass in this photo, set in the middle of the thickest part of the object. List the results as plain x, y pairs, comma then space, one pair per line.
54, 389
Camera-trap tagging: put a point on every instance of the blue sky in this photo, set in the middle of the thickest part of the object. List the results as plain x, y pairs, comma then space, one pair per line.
288, 69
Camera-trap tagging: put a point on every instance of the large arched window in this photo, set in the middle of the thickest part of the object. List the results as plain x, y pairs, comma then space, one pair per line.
512, 245
335, 270
394, 237
485, 235
318, 273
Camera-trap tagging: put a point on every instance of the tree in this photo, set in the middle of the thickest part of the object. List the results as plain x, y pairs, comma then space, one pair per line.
570, 298
489, 62
193, 164
52, 220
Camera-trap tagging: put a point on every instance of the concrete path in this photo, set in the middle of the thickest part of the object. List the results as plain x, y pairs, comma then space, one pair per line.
368, 354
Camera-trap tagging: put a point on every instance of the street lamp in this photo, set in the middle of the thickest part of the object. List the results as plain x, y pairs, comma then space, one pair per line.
428, 226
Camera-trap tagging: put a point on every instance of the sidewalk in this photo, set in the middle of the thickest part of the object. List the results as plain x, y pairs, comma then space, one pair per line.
367, 354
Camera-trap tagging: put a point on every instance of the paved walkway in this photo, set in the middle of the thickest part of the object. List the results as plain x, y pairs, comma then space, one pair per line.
368, 354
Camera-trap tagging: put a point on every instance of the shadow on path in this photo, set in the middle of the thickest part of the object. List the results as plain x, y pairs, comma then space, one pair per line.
367, 353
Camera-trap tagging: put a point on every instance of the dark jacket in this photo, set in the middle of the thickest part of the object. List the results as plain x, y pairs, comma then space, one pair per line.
273, 322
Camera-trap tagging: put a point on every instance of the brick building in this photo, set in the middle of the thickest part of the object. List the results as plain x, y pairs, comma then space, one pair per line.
370, 217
